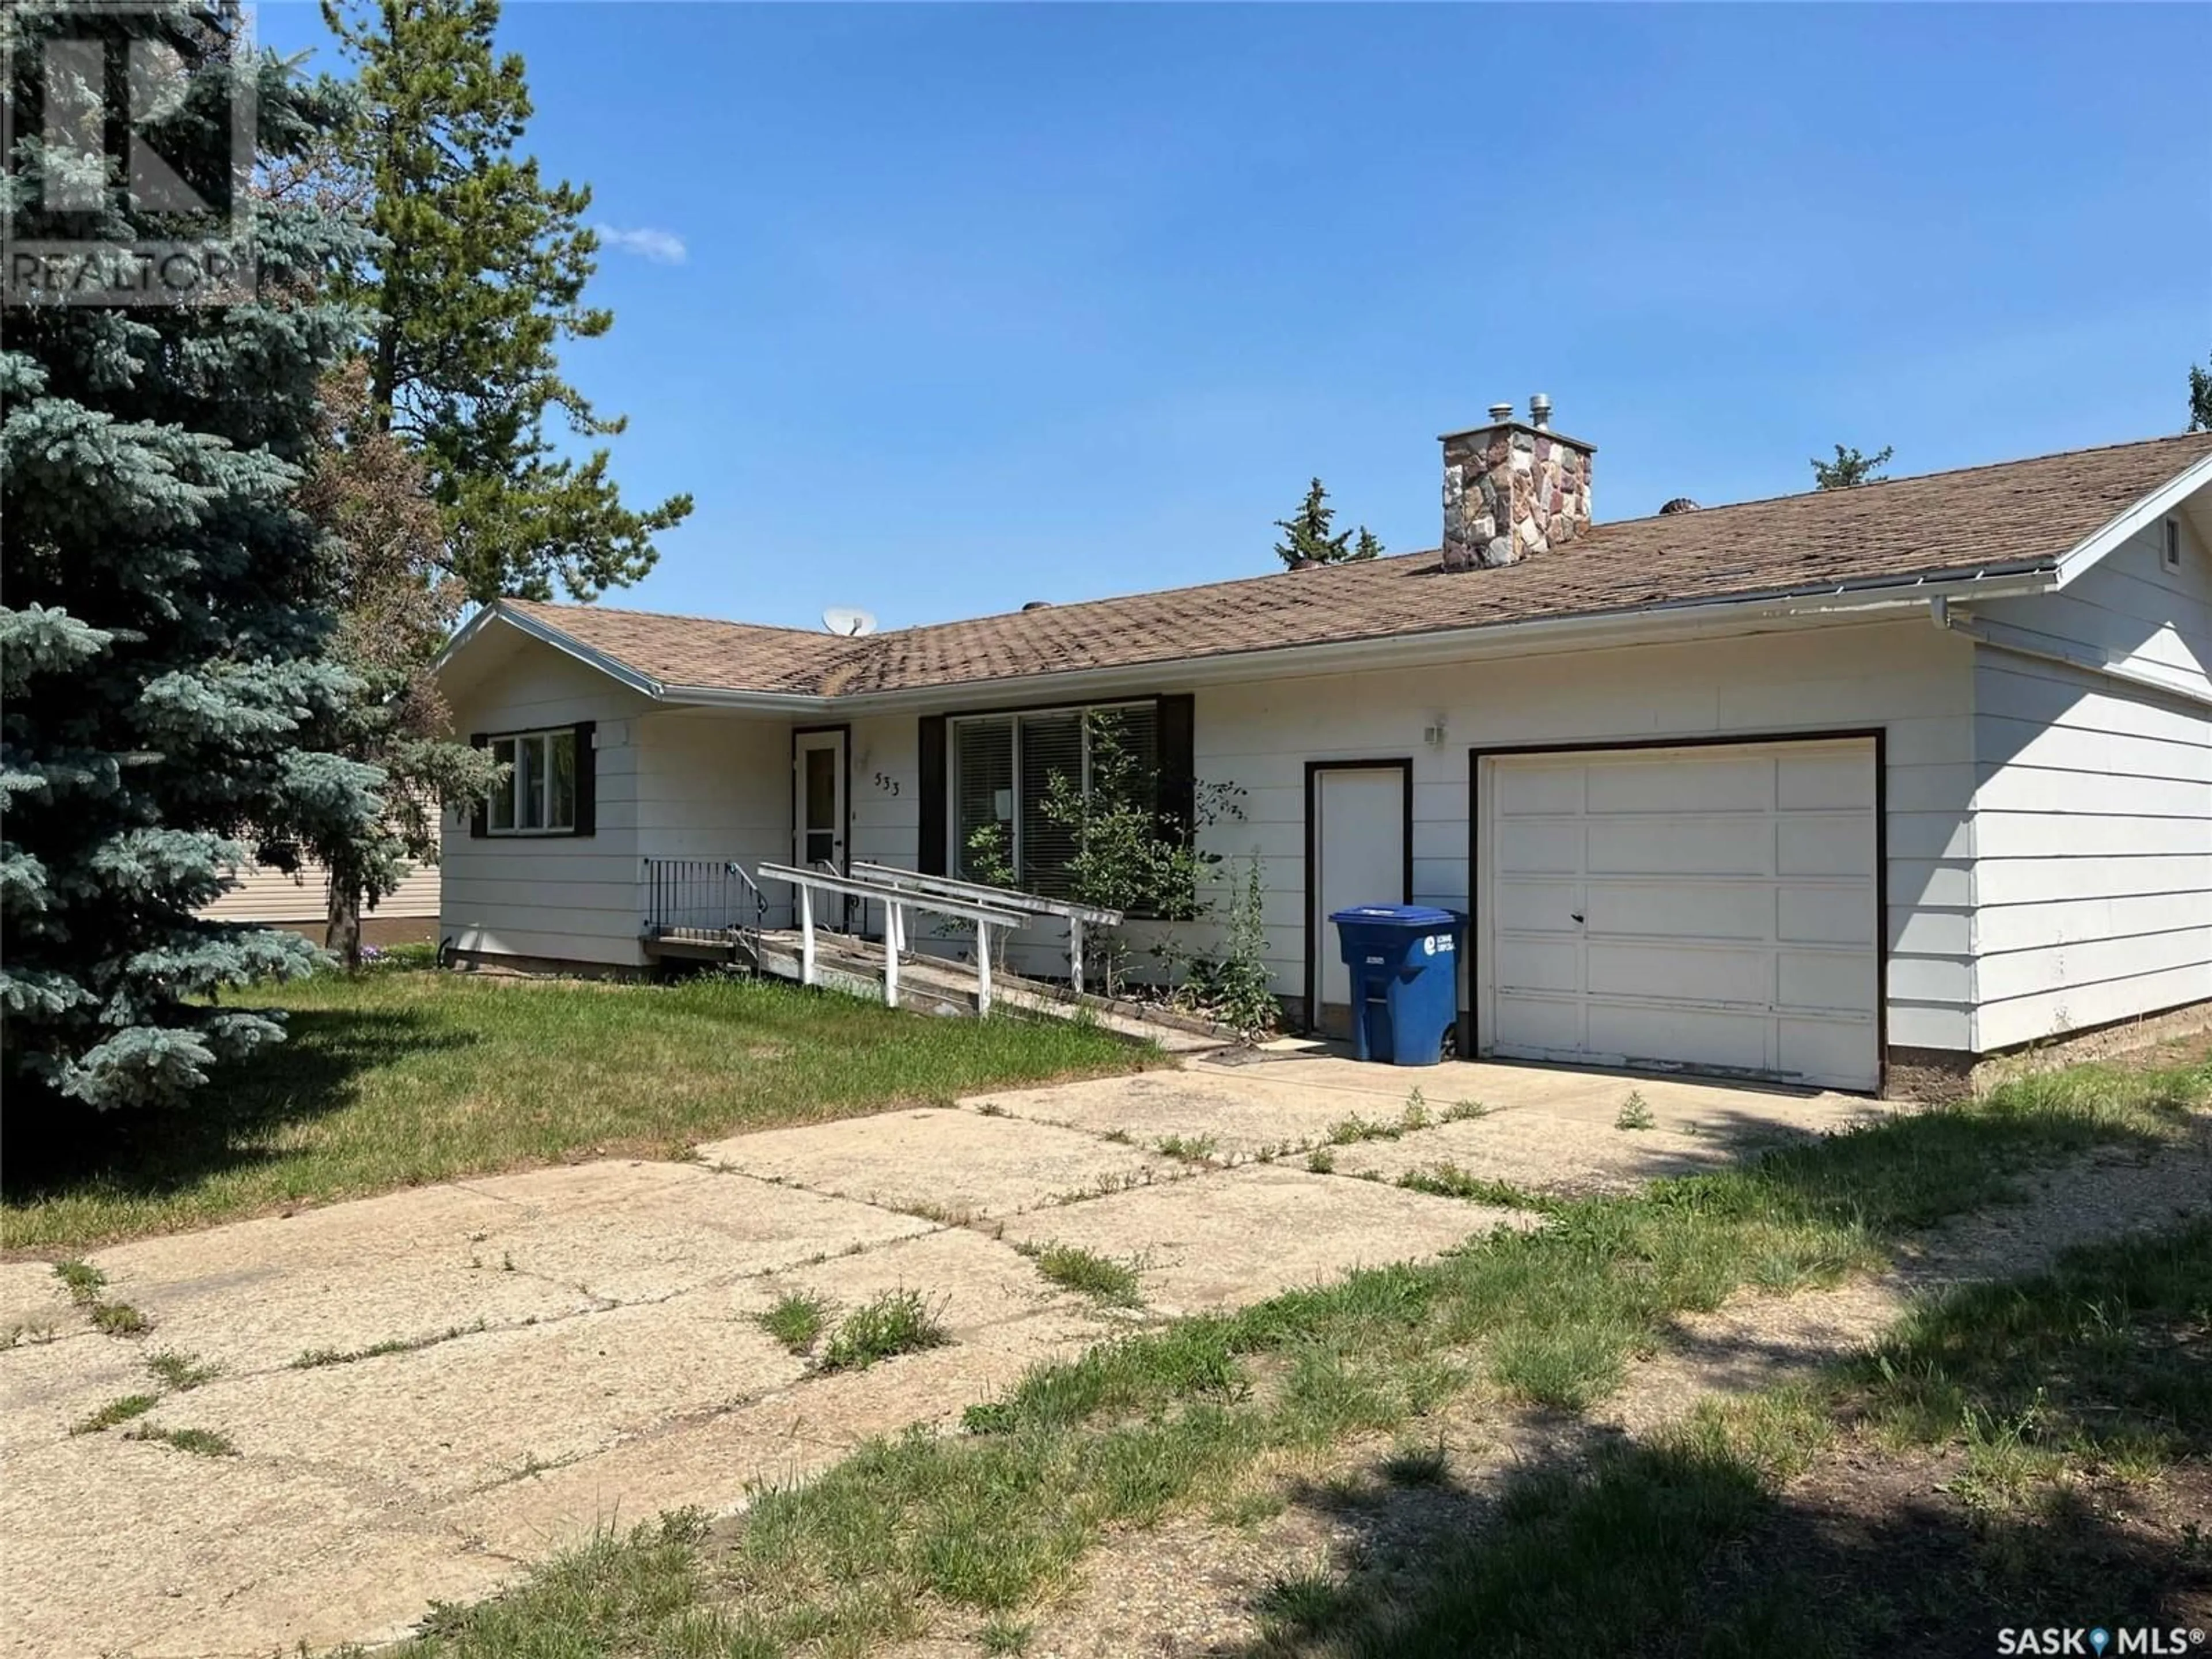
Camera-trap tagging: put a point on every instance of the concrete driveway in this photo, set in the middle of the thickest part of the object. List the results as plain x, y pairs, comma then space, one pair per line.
428, 1390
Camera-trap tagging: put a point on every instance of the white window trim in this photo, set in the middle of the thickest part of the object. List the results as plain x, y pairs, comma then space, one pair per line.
517, 832
955, 846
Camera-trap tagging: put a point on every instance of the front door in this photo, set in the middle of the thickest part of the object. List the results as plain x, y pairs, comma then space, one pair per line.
1356, 825
819, 800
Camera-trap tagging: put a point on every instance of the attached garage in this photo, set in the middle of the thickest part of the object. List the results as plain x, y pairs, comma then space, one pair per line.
1714, 906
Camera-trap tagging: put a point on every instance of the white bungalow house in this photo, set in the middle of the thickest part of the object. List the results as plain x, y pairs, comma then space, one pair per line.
1848, 788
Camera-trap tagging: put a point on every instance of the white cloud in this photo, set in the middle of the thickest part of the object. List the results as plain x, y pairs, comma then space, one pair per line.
663, 247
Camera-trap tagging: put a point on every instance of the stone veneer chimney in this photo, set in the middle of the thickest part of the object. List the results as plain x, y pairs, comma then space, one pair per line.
1513, 488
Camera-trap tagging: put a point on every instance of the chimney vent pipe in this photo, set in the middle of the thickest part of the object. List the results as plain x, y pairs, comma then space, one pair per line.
1540, 411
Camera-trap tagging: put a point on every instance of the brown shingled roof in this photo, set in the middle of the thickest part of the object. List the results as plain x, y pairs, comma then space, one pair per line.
2009, 517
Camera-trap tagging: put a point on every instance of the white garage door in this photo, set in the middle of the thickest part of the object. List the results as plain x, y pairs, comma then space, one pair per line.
1707, 907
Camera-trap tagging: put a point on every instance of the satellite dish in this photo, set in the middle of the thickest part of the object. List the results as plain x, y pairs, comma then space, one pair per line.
848, 620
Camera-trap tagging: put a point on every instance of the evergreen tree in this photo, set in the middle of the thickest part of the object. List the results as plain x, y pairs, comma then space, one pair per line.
1849, 469
1368, 545
2200, 399
478, 277
1306, 535
170, 704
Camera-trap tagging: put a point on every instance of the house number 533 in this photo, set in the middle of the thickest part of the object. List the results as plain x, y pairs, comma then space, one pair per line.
887, 783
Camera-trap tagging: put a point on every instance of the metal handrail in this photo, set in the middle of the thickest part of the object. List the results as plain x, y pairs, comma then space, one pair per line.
701, 899
1035, 904
896, 902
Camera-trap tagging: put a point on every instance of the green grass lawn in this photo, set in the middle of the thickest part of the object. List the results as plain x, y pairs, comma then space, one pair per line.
396, 1077
1624, 1554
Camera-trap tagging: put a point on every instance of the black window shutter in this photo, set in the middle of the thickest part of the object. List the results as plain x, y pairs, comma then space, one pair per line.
479, 814
1178, 799
929, 748
588, 778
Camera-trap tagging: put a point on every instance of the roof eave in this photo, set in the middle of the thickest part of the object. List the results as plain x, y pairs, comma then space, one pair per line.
1840, 601
2087, 553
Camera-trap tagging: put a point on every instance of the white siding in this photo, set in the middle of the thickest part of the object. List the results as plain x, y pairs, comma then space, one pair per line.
1905, 677
2093, 810
260, 895
574, 898
712, 785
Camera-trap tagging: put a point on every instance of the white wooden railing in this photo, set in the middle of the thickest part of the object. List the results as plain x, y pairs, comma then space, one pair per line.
1004, 898
895, 900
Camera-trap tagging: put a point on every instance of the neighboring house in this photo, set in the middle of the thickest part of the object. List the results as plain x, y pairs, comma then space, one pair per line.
1850, 788
301, 902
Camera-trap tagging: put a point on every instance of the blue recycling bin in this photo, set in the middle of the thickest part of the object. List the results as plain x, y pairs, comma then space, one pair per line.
1404, 960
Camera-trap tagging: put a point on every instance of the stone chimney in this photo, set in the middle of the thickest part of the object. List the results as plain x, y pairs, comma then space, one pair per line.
1513, 488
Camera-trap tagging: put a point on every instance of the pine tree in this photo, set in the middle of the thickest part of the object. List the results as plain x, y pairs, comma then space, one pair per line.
1306, 535
2200, 399
478, 278
169, 704
1368, 545
1849, 469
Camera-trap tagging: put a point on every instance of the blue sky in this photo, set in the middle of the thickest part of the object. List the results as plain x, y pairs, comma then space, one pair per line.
981, 304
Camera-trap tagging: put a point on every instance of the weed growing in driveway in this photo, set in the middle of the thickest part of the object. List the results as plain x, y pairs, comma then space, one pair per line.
83, 1280
796, 1320
895, 1322
1100, 1278
1634, 1113
114, 1412
180, 1371
1321, 1161
1002, 1638
119, 1319
1416, 1114
315, 1357
1192, 1149
1351, 1131
19, 1335
202, 1443
1449, 1181
1462, 1111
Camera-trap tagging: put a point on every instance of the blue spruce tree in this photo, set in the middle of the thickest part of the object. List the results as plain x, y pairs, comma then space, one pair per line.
170, 707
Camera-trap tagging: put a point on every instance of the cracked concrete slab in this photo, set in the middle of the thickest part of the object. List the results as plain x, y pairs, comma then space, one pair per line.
984, 1291
1244, 1115
464, 1413
1236, 1236
942, 1162
1562, 1158
110, 1540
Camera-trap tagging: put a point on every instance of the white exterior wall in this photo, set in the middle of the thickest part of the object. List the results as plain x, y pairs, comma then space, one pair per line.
2093, 809
570, 897
713, 784
1904, 677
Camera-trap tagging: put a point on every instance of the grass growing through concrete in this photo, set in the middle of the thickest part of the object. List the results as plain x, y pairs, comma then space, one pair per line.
114, 1412
180, 1371
1105, 1280
895, 1322
1635, 1112
797, 1320
1192, 1149
315, 1358
201, 1442
1175, 1417
391, 1079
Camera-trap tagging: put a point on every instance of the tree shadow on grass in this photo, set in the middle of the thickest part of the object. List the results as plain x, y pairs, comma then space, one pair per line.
2058, 1477
54, 1149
